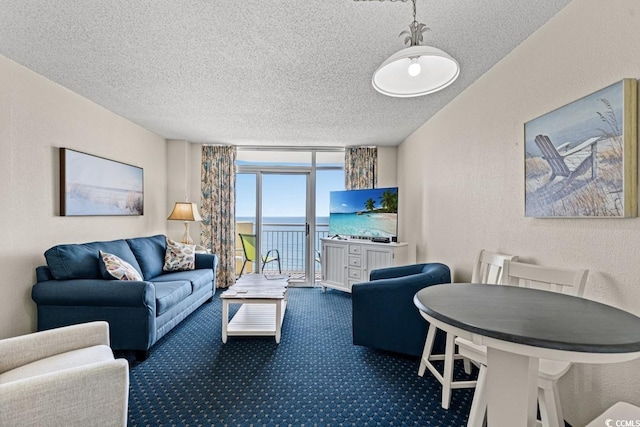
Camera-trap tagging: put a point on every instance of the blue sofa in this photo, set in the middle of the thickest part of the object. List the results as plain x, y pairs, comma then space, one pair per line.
73, 289
384, 316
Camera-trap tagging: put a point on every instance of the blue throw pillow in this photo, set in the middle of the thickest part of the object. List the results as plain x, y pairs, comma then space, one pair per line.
149, 251
82, 261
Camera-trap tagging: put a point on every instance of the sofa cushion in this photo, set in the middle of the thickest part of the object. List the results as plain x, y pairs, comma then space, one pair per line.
149, 251
113, 267
82, 261
179, 256
59, 362
168, 294
198, 278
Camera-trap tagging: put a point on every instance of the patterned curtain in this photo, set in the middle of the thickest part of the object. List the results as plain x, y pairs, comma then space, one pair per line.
218, 209
360, 164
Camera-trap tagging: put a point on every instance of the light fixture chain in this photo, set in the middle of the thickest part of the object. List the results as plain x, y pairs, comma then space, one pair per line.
416, 29
414, 11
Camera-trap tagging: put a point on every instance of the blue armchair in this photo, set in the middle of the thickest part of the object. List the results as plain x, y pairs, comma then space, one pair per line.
384, 316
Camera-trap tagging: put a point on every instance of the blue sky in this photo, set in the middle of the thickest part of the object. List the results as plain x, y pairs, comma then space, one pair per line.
284, 195
354, 201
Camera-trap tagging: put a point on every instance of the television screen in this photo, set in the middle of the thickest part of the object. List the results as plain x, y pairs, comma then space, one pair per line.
364, 213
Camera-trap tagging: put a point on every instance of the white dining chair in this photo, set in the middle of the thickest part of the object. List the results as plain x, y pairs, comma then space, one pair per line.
619, 411
570, 282
487, 269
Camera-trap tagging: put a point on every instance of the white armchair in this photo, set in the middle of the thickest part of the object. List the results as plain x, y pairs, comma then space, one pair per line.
65, 376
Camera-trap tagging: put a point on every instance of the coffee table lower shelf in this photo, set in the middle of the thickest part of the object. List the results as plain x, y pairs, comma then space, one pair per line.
256, 317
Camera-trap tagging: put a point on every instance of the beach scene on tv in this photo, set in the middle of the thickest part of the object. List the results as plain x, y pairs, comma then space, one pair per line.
364, 213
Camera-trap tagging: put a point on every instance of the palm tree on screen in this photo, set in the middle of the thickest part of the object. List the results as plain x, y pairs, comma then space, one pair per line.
389, 201
370, 204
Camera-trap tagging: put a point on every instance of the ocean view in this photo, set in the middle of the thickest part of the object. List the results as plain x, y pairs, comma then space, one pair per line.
277, 222
286, 234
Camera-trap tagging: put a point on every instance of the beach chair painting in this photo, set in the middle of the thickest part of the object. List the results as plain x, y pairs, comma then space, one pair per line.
581, 159
571, 163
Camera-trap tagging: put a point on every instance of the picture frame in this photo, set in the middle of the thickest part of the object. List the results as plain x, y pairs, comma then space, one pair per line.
580, 160
94, 186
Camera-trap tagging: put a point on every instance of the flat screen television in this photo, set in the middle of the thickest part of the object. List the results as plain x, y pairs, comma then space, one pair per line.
364, 213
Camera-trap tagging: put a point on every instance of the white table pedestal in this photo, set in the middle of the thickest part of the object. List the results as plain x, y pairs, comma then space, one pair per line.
512, 389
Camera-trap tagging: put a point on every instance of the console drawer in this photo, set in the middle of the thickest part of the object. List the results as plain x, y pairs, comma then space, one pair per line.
355, 273
355, 249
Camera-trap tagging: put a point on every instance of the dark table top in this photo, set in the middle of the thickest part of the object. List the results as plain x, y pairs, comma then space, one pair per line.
532, 317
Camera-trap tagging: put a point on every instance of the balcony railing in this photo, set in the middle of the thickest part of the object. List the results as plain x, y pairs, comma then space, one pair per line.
289, 240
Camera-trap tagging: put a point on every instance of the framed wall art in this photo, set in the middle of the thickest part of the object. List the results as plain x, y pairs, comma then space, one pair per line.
92, 185
581, 159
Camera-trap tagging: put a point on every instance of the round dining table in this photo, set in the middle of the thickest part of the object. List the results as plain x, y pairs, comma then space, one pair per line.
521, 325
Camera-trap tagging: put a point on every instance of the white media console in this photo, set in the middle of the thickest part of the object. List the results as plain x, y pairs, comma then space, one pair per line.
345, 262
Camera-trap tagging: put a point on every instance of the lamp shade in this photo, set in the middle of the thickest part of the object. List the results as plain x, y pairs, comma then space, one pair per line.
185, 211
436, 71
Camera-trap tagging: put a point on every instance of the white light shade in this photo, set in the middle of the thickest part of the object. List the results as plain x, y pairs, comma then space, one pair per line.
185, 211
438, 70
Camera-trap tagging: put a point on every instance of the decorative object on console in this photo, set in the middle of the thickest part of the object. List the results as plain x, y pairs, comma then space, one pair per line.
92, 185
594, 174
185, 211
415, 70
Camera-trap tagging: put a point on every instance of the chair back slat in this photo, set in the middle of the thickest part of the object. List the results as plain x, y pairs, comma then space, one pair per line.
561, 280
551, 155
489, 267
248, 246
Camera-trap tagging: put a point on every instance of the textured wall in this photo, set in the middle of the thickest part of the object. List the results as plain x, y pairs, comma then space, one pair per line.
387, 167
463, 174
36, 117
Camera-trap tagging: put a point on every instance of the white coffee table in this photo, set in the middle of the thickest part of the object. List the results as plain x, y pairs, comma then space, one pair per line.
264, 302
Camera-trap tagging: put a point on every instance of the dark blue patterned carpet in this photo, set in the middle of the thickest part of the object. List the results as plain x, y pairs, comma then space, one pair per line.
314, 377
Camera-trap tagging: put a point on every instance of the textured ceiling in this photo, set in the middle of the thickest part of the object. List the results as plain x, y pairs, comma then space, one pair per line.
258, 72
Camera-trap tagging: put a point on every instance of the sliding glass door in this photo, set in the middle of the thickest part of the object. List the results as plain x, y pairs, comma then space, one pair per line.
285, 222
283, 199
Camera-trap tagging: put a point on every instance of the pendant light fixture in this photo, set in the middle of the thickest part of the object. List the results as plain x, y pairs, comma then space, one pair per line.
415, 70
